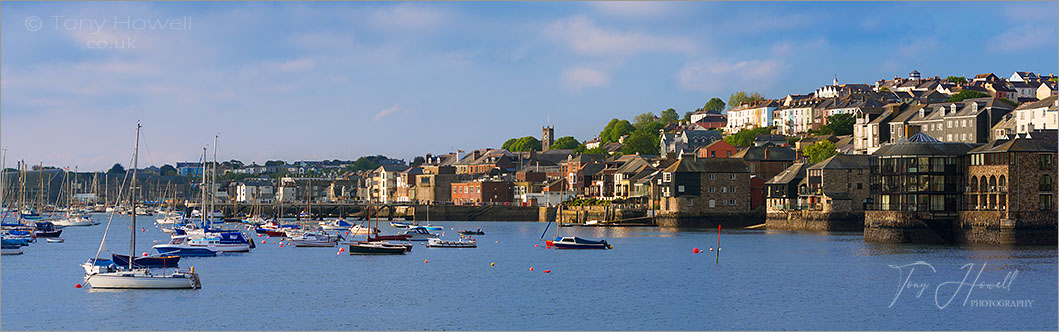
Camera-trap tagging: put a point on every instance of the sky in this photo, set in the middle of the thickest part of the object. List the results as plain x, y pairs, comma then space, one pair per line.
312, 81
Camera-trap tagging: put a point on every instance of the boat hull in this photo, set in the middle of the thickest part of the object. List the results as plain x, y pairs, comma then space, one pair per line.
11, 250
184, 251
141, 281
375, 249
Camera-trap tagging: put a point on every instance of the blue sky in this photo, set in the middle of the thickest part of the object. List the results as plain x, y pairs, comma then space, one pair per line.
339, 80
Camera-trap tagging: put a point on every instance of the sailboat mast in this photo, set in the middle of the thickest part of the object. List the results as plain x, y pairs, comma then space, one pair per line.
202, 204
132, 190
213, 177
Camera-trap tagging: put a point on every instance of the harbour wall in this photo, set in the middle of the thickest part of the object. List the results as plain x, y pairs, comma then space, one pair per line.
815, 221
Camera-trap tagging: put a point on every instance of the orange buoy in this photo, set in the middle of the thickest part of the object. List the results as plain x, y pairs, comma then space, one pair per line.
77, 286
492, 264
711, 249
338, 253
341, 249
347, 232
281, 246
424, 261
531, 268
547, 271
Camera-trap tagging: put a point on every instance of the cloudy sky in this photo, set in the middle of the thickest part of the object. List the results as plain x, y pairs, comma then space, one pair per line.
317, 81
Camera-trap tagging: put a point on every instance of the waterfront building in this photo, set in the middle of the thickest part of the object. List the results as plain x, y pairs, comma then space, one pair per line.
701, 187
969, 121
709, 119
916, 190
577, 172
1011, 191
839, 184
254, 192
482, 191
773, 140
1047, 88
384, 182
785, 191
192, 169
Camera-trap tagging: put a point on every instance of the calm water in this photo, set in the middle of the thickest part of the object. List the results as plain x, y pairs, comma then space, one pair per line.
650, 281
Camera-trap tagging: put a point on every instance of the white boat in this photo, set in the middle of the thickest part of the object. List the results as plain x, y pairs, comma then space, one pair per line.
10, 250
439, 243
170, 220
55, 240
75, 221
334, 225
223, 242
111, 276
419, 233
362, 230
313, 239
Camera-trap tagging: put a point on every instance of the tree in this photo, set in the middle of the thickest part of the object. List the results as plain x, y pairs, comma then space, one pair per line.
275, 163
643, 119
742, 97
167, 170
1010, 102
745, 137
687, 115
565, 142
967, 94
367, 163
715, 104
957, 79
821, 150
580, 148
642, 141
526, 144
841, 124
508, 144
668, 116
419, 160
615, 130
116, 169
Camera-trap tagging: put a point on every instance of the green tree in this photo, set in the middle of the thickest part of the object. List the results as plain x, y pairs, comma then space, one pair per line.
957, 79
508, 144
275, 163
745, 137
580, 148
643, 119
566, 142
419, 160
526, 144
615, 130
820, 151
967, 94
367, 163
841, 124
715, 104
167, 170
116, 169
742, 97
642, 141
668, 116
687, 115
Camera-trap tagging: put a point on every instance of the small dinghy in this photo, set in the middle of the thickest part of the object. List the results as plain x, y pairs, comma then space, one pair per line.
55, 240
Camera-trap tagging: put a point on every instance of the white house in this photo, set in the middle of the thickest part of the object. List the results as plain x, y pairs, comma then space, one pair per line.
749, 116
254, 192
1040, 115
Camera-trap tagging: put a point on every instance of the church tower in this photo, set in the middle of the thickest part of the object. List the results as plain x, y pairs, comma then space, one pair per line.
547, 138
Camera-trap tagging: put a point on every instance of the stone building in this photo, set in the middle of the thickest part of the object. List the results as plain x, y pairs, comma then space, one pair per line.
766, 161
782, 191
1011, 191
703, 187
916, 188
841, 177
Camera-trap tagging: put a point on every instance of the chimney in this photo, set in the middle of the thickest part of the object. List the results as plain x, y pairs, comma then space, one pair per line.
476, 154
766, 153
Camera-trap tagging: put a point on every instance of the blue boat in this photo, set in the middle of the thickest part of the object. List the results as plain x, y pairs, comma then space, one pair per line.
149, 261
15, 242
178, 246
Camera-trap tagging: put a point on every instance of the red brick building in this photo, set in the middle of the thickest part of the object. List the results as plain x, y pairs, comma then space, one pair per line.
476, 192
717, 149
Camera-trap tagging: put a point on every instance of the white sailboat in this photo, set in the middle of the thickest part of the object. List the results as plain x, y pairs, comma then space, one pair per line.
103, 275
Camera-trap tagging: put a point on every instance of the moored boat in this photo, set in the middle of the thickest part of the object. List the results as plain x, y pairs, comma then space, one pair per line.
470, 232
313, 239
148, 261
439, 243
378, 248
178, 246
573, 242
10, 249
419, 233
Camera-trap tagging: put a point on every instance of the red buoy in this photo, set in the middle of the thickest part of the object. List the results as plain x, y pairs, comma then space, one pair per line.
536, 246
77, 286
531, 268
547, 271
711, 249
695, 251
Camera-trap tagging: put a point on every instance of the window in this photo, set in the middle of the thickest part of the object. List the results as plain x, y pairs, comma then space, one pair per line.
948, 123
713, 176
1046, 202
713, 189
1046, 183
732, 202
1046, 162
713, 203
729, 153
731, 176
680, 188
859, 186
732, 189
724, 189
667, 177
713, 153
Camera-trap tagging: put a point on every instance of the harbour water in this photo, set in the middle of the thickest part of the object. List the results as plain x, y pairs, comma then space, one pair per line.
651, 280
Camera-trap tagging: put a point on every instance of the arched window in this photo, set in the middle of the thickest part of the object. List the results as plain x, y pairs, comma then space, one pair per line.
984, 184
974, 184
992, 184
1003, 184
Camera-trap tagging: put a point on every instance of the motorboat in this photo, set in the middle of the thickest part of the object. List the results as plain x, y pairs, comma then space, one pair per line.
75, 220
313, 239
400, 224
10, 249
573, 242
222, 242
470, 232
46, 230
178, 246
14, 242
431, 227
439, 243
419, 233
55, 240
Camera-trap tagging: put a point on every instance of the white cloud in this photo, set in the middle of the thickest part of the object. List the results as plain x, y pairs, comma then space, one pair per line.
576, 79
1021, 38
715, 76
583, 36
387, 111
635, 9
918, 48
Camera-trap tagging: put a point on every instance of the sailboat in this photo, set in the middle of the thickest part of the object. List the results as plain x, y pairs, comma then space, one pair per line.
101, 273
573, 242
377, 245
72, 218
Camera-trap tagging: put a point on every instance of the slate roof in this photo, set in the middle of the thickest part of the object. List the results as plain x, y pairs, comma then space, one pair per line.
1048, 102
708, 165
1039, 141
796, 172
922, 144
844, 161
757, 153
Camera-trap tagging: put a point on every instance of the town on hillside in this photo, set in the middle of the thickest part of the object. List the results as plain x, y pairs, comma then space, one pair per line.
915, 159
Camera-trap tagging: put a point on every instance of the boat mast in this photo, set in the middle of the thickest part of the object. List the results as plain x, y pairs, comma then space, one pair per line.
40, 176
132, 190
202, 203
213, 177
